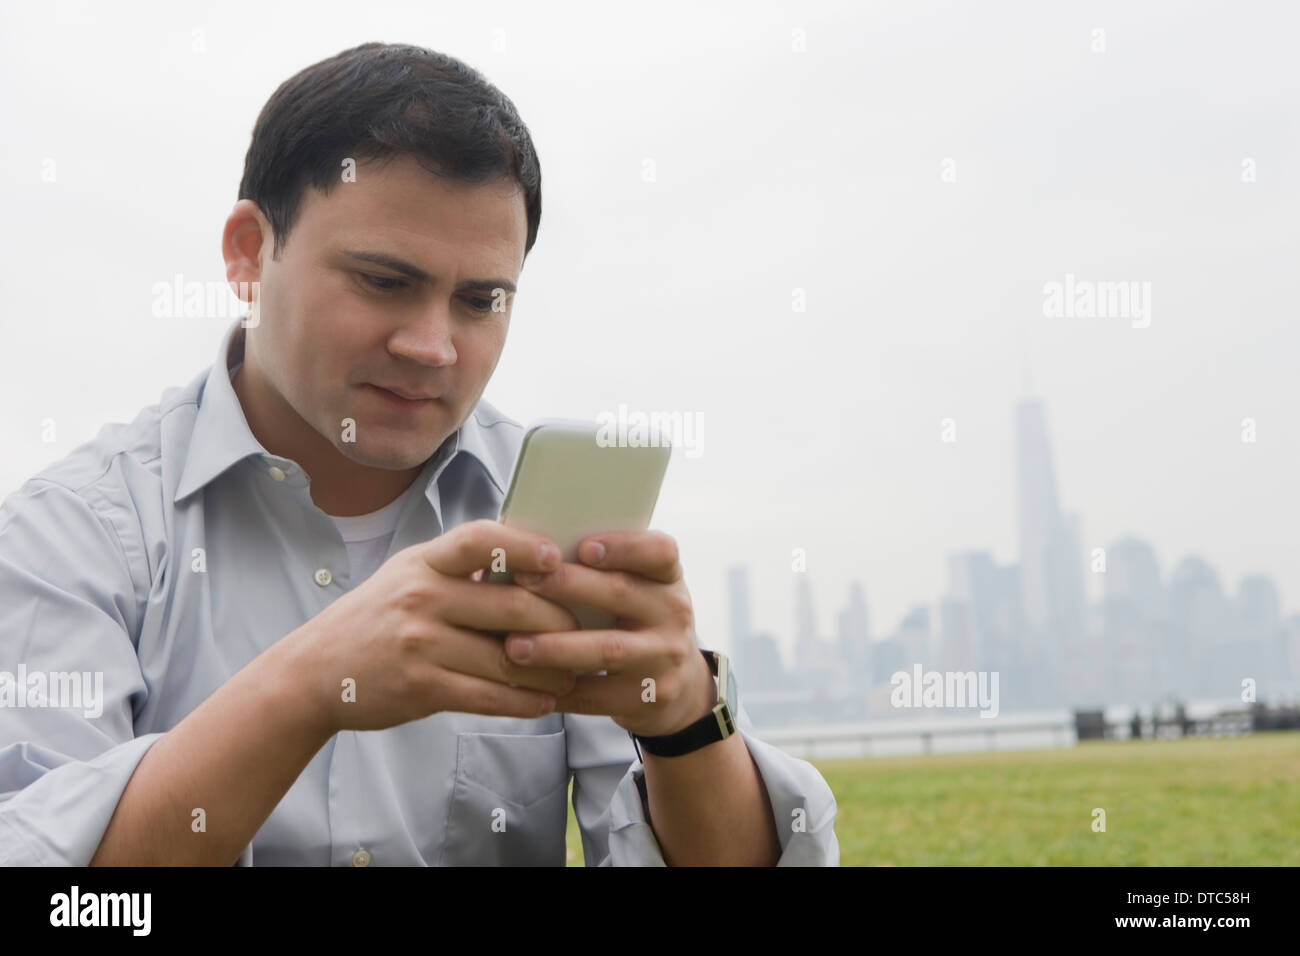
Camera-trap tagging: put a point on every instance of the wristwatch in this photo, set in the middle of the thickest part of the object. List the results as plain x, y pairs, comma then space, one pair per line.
717, 724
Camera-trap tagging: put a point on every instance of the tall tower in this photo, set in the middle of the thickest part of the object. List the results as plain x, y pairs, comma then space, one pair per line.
1039, 509
806, 643
738, 607
854, 634
1051, 567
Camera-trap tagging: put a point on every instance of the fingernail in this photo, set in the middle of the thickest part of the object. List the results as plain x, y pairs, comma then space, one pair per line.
593, 552
549, 555
521, 648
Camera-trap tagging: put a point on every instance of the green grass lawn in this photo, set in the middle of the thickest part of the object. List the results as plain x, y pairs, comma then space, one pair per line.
1186, 802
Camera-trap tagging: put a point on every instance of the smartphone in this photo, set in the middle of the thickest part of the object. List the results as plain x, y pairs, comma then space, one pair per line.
569, 482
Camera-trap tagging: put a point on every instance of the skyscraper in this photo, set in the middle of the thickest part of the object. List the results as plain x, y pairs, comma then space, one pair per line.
1258, 608
756, 657
1051, 566
854, 635
1200, 659
738, 607
808, 652
1132, 582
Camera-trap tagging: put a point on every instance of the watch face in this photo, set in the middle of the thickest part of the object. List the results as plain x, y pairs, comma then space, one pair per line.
727, 684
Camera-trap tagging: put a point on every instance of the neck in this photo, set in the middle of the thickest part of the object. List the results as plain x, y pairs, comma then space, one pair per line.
339, 486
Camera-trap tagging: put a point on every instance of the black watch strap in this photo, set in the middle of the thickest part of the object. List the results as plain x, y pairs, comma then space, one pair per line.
703, 732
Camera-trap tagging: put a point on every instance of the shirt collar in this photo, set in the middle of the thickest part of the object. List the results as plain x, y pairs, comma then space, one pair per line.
221, 437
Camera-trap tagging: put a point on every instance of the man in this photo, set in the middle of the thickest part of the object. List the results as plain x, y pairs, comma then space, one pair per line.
277, 570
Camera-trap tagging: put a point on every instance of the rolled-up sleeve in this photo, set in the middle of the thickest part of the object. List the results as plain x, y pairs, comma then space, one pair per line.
69, 606
612, 817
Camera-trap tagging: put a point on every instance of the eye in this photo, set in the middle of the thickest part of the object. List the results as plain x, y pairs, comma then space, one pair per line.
384, 283
485, 307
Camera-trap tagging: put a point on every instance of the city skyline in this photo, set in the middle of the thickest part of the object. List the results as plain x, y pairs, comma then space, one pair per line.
1154, 631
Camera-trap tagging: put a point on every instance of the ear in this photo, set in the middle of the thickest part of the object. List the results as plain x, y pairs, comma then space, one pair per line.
247, 237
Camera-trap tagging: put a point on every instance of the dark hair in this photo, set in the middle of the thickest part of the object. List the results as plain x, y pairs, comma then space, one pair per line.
383, 100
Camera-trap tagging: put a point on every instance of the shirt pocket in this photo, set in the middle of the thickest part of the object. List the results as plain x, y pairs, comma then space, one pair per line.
509, 802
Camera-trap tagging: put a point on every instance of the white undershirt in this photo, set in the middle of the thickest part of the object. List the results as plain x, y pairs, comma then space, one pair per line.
368, 536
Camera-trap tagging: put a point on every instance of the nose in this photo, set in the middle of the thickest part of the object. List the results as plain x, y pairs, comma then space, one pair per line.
428, 339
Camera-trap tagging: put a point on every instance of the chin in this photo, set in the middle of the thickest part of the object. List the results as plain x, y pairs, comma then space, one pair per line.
390, 459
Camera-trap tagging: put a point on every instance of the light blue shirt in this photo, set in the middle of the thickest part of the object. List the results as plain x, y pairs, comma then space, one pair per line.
165, 554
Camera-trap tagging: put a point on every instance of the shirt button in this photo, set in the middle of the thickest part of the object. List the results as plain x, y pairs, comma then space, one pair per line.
361, 858
323, 577
277, 473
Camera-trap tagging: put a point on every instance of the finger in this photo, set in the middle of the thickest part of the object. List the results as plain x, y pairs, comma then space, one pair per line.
586, 652
468, 694
477, 655
485, 543
621, 695
651, 554
486, 606
620, 593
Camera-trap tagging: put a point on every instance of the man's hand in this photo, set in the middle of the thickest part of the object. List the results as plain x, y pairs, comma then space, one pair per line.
409, 638
707, 807
639, 579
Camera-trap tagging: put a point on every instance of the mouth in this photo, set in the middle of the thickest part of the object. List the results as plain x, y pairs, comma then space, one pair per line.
407, 400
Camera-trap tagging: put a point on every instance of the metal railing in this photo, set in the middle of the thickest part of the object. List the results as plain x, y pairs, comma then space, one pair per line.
1063, 728
806, 741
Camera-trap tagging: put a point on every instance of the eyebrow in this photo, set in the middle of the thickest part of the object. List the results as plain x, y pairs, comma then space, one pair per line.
418, 274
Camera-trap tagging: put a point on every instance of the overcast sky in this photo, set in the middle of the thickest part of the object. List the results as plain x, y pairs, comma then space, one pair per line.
920, 170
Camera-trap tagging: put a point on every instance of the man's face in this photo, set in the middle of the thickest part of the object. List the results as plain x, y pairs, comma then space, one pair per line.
335, 324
